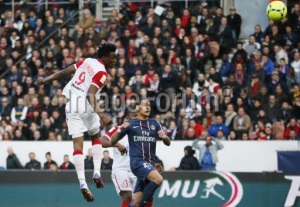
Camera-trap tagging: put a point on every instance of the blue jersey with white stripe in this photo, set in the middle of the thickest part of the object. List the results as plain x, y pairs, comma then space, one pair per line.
142, 137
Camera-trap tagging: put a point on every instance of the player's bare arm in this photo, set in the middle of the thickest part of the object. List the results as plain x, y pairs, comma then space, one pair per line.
61, 74
91, 96
116, 137
106, 143
166, 140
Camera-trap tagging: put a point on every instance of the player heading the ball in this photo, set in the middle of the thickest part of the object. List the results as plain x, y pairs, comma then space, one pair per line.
89, 78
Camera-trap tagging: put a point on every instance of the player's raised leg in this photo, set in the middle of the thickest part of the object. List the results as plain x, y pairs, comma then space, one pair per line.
92, 122
97, 157
79, 166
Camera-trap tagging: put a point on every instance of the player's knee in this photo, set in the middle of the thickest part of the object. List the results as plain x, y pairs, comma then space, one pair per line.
126, 195
94, 132
158, 180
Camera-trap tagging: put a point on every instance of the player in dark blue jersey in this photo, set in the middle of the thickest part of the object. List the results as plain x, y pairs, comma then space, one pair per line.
143, 132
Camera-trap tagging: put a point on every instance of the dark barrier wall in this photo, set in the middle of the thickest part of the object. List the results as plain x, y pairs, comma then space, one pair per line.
179, 189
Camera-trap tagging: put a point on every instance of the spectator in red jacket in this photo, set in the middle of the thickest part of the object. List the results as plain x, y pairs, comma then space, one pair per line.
292, 126
67, 165
197, 127
185, 18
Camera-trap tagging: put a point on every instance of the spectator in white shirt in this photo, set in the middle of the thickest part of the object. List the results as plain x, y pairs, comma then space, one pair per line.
280, 53
296, 65
19, 112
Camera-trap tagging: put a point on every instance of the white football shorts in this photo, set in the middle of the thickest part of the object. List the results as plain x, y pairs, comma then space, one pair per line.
124, 180
81, 117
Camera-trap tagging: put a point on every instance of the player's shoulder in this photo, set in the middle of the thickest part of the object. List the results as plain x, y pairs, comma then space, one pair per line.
95, 61
154, 121
132, 121
155, 124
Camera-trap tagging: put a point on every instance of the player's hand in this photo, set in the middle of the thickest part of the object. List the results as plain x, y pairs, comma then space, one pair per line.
40, 81
122, 149
106, 120
161, 134
124, 125
159, 167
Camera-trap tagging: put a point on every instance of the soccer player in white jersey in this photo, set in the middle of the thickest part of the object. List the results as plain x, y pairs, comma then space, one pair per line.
82, 111
121, 175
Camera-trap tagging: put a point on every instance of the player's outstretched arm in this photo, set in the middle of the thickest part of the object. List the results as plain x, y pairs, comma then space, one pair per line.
91, 97
119, 134
61, 74
166, 140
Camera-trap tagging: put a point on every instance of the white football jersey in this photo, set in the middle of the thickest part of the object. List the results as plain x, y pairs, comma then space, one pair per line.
120, 161
88, 71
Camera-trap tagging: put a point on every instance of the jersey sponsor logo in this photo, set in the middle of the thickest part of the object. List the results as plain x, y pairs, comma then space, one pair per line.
76, 87
143, 139
135, 127
152, 127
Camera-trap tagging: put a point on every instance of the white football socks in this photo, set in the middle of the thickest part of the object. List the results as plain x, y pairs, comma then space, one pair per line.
79, 166
97, 157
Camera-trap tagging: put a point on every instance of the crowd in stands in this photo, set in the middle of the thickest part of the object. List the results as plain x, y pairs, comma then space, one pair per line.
13, 163
171, 58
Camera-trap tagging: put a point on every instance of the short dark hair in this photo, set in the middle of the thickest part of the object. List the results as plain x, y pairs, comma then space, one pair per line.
104, 49
140, 99
48, 153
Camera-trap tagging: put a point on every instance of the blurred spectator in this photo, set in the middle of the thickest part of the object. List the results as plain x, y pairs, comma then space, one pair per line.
229, 116
296, 65
251, 46
107, 162
232, 136
88, 161
242, 122
5, 127
198, 128
190, 133
218, 126
49, 162
12, 161
208, 157
19, 112
224, 36
33, 164
235, 22
292, 126
258, 34
272, 108
67, 165
226, 68
220, 135
29, 96
5, 109
87, 20
280, 53
18, 136
188, 162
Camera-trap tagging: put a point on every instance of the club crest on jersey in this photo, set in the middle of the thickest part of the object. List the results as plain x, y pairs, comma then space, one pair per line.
152, 127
